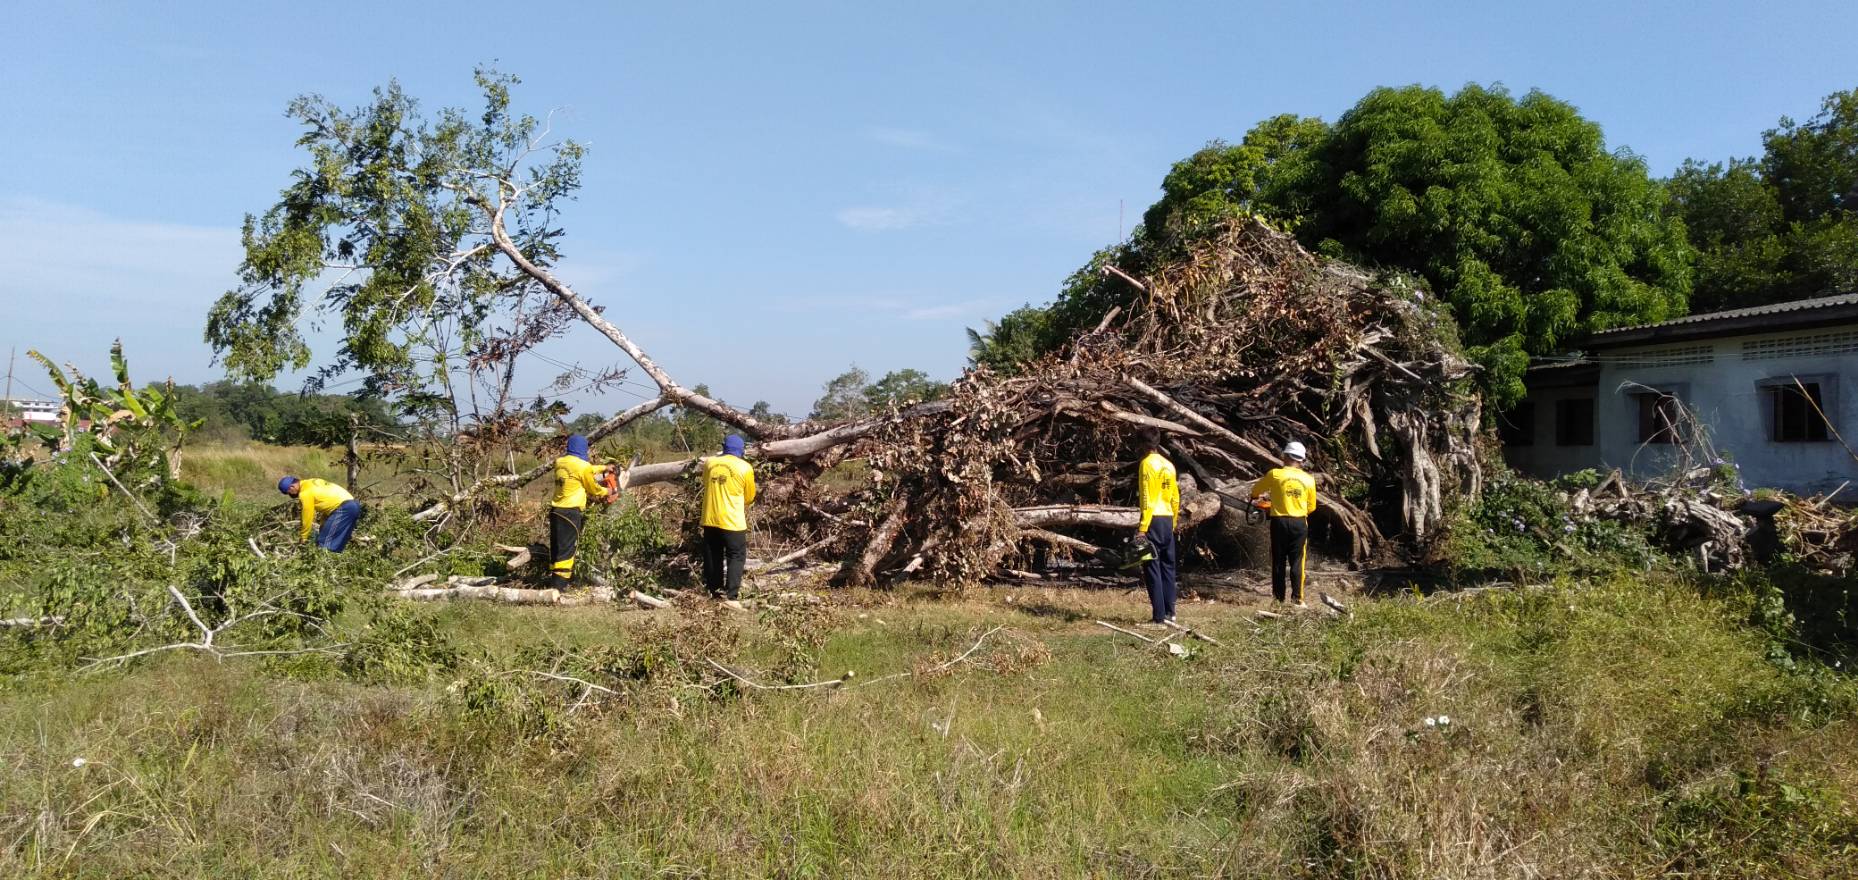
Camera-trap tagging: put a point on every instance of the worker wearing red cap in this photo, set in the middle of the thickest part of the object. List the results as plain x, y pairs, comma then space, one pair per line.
1292, 494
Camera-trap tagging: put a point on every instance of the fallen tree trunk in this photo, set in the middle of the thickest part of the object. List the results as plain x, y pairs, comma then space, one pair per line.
507, 595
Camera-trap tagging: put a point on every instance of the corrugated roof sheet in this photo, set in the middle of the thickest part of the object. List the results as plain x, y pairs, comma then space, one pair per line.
1781, 308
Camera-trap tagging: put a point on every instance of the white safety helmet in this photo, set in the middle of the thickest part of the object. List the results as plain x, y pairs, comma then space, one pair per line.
1294, 450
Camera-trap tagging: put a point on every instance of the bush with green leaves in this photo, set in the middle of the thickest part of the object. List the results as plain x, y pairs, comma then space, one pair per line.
105, 570
626, 543
1524, 529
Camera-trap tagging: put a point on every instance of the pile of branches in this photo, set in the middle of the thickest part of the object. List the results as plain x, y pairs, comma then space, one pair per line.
1724, 528
1242, 343
1818, 533
1239, 343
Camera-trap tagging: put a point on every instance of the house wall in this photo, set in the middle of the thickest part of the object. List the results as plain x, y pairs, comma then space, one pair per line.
1721, 381
1542, 457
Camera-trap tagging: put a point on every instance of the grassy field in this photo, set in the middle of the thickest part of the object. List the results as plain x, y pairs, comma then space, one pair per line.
1612, 730
250, 471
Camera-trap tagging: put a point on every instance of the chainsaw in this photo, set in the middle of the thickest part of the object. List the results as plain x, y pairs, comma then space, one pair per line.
613, 481
1257, 510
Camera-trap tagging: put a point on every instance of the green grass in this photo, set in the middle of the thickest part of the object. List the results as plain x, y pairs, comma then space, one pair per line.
250, 471
1616, 730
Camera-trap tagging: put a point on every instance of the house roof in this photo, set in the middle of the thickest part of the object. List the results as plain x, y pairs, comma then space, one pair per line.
1558, 374
1735, 322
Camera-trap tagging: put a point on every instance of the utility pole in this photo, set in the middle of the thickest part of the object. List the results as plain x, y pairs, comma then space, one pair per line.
6, 407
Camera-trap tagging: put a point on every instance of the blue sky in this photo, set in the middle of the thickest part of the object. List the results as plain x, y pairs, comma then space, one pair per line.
777, 191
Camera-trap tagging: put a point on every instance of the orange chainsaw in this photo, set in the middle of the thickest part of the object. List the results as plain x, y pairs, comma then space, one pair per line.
614, 481
1258, 510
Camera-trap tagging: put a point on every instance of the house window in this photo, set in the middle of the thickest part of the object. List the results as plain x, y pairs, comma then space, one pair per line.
1658, 417
1517, 427
1798, 413
1574, 422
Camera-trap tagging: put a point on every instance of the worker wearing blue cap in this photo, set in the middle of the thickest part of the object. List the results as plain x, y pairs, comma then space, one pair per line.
576, 480
339, 510
728, 490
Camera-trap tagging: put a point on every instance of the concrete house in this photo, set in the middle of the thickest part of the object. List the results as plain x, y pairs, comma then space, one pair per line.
1774, 387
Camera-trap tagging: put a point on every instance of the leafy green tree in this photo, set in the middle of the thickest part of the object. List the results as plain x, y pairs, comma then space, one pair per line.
852, 394
903, 387
1222, 178
1018, 338
844, 396
425, 241
1781, 227
1513, 210
763, 411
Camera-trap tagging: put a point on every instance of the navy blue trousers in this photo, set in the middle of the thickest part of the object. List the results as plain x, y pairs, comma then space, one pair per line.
1290, 543
1158, 573
339, 526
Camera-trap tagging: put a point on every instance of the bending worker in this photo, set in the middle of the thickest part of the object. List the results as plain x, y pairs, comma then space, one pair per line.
1292, 493
728, 490
339, 510
576, 479
1159, 495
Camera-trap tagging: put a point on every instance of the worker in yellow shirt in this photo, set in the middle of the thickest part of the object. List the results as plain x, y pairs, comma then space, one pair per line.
339, 510
1292, 494
576, 480
1159, 495
728, 490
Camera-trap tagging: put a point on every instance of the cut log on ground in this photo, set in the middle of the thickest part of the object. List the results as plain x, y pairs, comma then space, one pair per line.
506, 595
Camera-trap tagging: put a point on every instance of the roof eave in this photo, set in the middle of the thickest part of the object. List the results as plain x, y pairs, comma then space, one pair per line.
1743, 326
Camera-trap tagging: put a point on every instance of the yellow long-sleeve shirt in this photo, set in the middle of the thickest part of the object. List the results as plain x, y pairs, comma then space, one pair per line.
1291, 490
319, 498
728, 490
1158, 490
575, 480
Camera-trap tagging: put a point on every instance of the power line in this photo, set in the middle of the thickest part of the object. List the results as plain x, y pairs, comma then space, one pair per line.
22, 384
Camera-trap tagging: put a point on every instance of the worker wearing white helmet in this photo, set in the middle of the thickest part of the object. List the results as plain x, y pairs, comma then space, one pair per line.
1291, 493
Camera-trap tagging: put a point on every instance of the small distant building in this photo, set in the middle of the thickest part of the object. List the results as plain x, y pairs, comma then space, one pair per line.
1774, 387
25, 412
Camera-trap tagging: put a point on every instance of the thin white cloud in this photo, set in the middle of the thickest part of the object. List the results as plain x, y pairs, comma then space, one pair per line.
894, 306
909, 139
814, 303
912, 206
879, 219
77, 278
949, 311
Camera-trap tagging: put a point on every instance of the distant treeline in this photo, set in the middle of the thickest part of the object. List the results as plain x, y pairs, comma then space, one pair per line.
236, 411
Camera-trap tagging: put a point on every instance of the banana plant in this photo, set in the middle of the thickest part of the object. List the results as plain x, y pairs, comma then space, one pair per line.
139, 430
